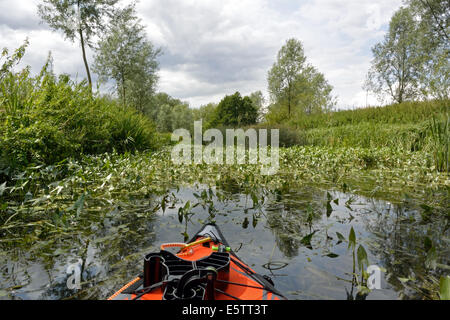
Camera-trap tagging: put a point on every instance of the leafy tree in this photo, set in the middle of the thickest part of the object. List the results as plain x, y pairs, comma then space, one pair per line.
235, 111
82, 19
436, 14
258, 102
397, 61
125, 55
433, 18
294, 83
170, 118
205, 113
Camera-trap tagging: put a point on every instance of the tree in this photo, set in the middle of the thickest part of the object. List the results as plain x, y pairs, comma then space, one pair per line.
82, 19
235, 111
397, 61
433, 18
258, 102
294, 83
125, 55
436, 14
206, 113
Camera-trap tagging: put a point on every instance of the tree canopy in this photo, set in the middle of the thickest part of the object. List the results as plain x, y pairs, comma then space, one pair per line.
125, 55
235, 110
295, 84
77, 19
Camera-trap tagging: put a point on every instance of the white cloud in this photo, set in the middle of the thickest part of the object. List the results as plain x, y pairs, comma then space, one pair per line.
213, 48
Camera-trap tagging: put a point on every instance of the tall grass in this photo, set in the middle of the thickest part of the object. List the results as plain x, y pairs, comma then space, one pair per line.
48, 118
403, 113
440, 142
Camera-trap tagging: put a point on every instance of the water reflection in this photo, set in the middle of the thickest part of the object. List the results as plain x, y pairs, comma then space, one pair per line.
298, 237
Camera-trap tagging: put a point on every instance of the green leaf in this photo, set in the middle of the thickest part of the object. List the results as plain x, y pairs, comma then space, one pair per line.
306, 240
444, 288
430, 261
340, 237
332, 255
427, 243
329, 209
362, 257
351, 239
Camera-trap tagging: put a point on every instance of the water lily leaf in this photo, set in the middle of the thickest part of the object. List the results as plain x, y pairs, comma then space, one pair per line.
332, 255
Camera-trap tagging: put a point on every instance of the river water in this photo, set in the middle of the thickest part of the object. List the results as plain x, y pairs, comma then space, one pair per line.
294, 237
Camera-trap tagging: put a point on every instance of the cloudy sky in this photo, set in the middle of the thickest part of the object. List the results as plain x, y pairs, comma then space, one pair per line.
213, 48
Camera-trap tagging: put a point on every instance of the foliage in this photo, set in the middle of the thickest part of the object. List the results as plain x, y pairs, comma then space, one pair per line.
296, 85
49, 118
77, 18
413, 59
410, 112
205, 113
396, 64
125, 55
235, 111
170, 118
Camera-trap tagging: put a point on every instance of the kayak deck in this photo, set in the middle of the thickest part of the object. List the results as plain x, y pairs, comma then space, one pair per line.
205, 269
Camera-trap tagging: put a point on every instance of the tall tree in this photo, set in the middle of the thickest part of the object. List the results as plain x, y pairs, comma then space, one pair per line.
294, 83
433, 18
77, 19
436, 13
125, 55
258, 102
397, 61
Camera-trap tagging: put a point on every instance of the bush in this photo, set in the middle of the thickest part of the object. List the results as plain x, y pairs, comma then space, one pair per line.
46, 119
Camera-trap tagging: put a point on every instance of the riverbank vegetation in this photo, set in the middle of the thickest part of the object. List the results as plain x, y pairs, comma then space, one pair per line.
71, 155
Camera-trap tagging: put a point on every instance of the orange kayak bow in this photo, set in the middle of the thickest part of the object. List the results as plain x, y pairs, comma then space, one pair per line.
204, 269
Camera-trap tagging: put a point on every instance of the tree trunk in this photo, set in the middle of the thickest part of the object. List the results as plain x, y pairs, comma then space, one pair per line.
85, 59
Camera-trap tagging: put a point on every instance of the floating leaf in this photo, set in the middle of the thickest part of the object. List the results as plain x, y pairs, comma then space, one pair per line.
332, 255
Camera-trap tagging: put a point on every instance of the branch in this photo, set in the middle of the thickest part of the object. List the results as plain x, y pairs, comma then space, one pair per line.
427, 4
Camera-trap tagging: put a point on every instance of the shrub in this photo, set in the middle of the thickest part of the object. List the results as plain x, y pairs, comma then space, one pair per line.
46, 119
